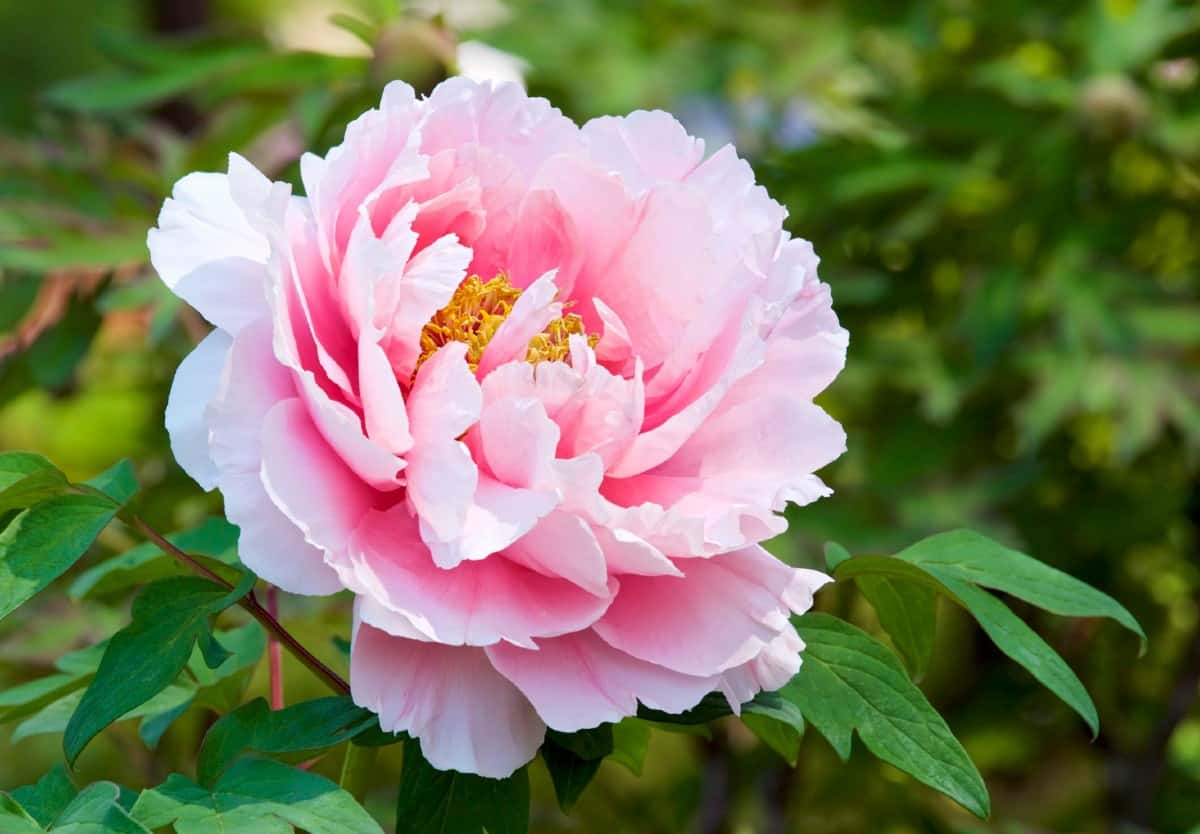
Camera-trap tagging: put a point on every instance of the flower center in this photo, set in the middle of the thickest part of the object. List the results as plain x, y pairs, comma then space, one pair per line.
475, 313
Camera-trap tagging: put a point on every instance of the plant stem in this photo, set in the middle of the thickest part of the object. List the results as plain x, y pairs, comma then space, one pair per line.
274, 651
252, 605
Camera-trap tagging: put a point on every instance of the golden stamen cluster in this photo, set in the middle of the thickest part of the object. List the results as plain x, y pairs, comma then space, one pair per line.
475, 313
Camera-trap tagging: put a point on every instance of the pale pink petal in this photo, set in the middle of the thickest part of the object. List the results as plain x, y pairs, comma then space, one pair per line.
720, 614
497, 517
477, 603
770, 669
467, 716
446, 398
196, 383
269, 544
563, 545
579, 681
645, 147
307, 481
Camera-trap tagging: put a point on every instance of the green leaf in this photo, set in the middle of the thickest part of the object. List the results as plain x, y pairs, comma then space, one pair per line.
32, 489
42, 542
780, 736
908, 613
145, 563
97, 810
57, 809
967, 556
631, 742
16, 465
118, 482
48, 797
301, 728
835, 554
1021, 643
851, 682
255, 796
573, 760
56, 717
435, 801
145, 657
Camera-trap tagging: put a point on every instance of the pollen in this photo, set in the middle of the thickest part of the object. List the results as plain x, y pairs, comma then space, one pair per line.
475, 313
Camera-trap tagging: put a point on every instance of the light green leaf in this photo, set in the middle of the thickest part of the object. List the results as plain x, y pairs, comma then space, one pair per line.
631, 743
435, 801
43, 541
255, 796
33, 488
118, 482
851, 682
145, 657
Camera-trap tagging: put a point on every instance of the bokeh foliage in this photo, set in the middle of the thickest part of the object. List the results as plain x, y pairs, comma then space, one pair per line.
1005, 198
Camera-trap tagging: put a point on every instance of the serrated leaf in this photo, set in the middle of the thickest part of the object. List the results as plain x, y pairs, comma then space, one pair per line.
908, 613
42, 542
851, 682
301, 728
255, 796
435, 801
146, 657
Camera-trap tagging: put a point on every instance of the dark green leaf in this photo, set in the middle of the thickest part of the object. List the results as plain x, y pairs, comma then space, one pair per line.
570, 773
146, 656
574, 758
301, 728
46, 799
435, 801
967, 556
255, 796
43, 541
145, 563
908, 613
850, 682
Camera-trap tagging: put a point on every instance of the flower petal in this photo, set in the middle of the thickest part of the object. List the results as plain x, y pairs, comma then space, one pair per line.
468, 717
196, 382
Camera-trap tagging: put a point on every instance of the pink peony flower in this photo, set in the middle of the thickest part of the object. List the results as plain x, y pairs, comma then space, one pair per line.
532, 392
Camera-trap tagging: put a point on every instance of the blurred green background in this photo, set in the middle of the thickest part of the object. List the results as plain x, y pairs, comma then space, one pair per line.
1004, 194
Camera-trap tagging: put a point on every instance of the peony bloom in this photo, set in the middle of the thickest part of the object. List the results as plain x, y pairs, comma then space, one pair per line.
532, 392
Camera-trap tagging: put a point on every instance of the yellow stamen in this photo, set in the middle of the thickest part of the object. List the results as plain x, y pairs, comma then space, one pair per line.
475, 313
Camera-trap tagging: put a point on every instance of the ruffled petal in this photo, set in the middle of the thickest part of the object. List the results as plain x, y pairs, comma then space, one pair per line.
467, 715
579, 681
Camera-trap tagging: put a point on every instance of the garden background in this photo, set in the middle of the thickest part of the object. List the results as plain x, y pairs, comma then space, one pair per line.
1005, 196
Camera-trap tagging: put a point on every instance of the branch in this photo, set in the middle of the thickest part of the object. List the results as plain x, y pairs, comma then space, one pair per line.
252, 605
